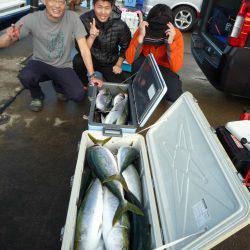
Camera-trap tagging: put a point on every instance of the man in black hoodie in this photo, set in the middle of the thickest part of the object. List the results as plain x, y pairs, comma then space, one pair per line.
108, 38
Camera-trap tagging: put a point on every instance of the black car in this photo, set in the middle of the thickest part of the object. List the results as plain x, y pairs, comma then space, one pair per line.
221, 45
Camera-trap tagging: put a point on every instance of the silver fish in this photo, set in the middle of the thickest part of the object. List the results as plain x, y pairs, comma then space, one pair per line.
120, 102
124, 116
132, 179
103, 100
89, 219
117, 236
126, 155
103, 163
101, 245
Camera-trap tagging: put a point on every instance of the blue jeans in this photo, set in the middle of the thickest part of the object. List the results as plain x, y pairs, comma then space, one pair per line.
64, 80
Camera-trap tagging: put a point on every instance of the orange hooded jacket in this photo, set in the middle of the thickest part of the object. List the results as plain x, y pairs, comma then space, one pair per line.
169, 56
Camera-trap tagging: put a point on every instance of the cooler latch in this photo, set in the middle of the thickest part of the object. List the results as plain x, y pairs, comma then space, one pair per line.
112, 132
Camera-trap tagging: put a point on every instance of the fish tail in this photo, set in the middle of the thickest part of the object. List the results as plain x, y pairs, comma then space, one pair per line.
132, 198
97, 141
123, 208
117, 177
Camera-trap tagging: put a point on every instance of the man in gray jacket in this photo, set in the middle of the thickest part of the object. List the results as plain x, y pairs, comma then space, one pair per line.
53, 30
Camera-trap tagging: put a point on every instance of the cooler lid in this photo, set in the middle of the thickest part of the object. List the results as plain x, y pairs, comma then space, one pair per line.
197, 187
148, 89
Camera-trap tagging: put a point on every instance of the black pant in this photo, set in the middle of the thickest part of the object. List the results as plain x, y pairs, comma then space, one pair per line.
172, 80
64, 80
107, 70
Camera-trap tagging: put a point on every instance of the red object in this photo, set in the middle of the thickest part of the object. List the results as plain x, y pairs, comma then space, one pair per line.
241, 29
245, 116
198, 15
246, 180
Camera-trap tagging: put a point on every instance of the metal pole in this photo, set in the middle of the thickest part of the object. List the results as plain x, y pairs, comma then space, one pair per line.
33, 5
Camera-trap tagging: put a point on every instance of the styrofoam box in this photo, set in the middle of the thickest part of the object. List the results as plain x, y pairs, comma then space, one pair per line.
240, 129
189, 186
131, 19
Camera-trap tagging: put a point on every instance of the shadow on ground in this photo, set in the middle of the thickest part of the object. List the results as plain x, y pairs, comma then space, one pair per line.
38, 157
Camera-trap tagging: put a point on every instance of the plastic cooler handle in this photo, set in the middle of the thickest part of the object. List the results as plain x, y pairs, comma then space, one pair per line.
112, 132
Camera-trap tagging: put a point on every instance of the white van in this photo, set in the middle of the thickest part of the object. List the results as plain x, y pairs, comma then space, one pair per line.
10, 9
185, 12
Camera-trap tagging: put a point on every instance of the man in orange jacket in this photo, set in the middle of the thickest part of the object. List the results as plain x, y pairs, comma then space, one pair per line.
158, 36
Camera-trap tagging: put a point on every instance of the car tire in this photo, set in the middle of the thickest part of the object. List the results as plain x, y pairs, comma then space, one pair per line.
184, 18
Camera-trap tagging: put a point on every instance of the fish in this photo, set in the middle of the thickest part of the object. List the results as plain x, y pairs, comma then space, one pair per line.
89, 218
124, 116
126, 155
120, 101
104, 165
117, 236
103, 100
132, 179
140, 232
101, 245
87, 178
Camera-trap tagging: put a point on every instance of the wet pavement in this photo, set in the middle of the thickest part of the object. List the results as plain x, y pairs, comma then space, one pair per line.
38, 153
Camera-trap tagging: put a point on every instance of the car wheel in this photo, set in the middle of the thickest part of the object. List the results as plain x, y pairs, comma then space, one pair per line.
184, 17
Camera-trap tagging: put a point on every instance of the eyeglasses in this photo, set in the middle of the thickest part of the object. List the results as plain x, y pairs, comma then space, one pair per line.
59, 2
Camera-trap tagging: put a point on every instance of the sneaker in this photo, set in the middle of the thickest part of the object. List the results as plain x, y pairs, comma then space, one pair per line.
36, 105
61, 97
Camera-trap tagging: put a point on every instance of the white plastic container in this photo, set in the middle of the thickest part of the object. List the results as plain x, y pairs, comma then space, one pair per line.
144, 94
189, 186
131, 19
240, 129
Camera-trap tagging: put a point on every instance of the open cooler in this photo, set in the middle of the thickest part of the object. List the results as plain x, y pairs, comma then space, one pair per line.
144, 94
192, 193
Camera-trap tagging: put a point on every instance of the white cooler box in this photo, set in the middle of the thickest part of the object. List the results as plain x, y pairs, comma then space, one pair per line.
144, 94
190, 186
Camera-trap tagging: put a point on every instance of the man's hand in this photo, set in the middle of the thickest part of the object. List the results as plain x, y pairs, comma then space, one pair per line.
94, 32
170, 33
96, 81
117, 69
142, 27
13, 32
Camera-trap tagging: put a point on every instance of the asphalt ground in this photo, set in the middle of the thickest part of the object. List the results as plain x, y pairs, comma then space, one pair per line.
38, 152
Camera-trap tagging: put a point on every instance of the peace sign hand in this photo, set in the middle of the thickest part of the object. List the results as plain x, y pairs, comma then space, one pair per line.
94, 32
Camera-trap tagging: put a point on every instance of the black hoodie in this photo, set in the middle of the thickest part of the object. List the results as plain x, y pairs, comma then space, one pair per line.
114, 34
